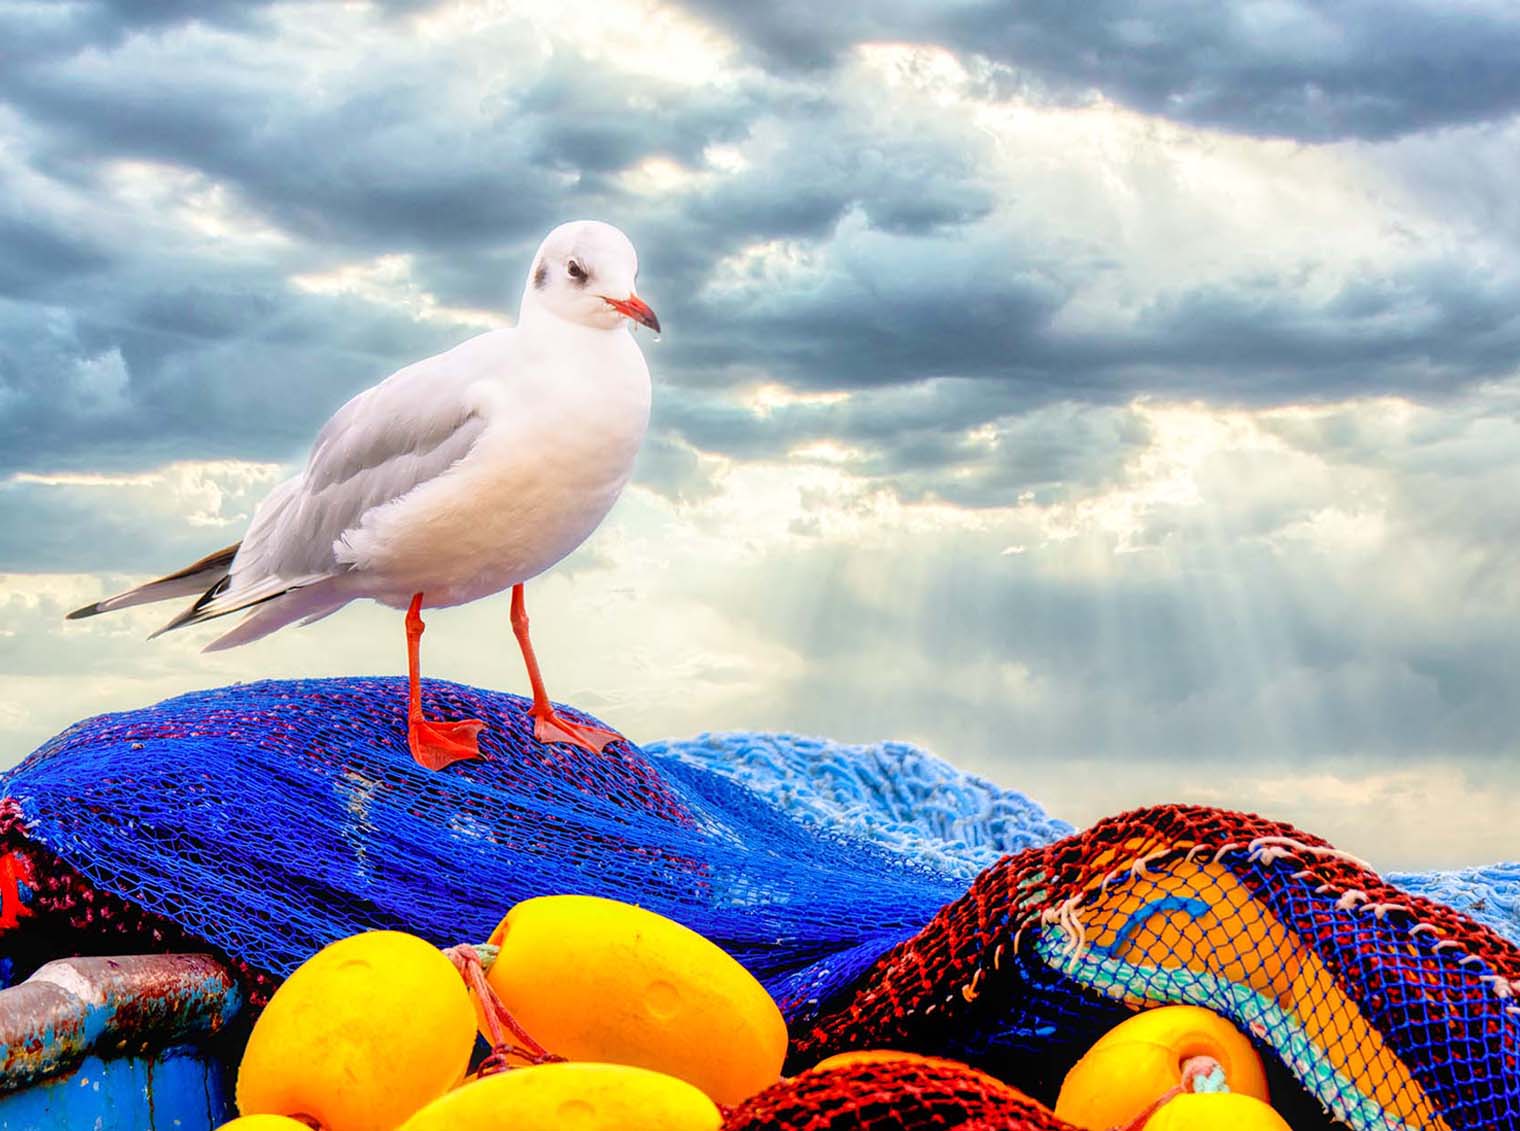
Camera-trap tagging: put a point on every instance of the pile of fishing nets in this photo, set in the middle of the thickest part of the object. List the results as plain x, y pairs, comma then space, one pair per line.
881, 899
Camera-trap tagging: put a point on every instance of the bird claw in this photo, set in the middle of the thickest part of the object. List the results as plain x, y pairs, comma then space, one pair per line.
551, 727
439, 744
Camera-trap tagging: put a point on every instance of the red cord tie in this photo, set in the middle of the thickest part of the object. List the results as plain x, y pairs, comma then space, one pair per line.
508, 1038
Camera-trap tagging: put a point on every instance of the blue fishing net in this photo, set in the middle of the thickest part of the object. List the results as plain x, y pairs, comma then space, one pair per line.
910, 801
269, 819
272, 818
891, 793
1490, 894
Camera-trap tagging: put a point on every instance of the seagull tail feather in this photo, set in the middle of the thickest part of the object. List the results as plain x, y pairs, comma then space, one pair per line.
195, 578
221, 600
306, 605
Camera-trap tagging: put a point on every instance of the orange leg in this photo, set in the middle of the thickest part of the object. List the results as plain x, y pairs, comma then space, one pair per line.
548, 726
434, 744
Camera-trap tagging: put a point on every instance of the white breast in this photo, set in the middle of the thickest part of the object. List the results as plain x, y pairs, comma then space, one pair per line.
558, 450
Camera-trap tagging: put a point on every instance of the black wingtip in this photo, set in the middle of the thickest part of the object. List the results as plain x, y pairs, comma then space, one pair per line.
87, 611
189, 616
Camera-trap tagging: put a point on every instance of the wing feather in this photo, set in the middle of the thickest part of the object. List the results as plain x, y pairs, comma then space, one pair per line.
385, 442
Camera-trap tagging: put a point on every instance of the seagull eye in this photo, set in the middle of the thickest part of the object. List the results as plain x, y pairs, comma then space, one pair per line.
577, 272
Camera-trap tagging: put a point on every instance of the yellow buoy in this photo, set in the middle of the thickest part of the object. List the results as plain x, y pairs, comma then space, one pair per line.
1214, 1112
363, 1034
571, 1097
1139, 1060
598, 980
264, 1123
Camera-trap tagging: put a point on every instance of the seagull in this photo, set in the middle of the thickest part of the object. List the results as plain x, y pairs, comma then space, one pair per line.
453, 479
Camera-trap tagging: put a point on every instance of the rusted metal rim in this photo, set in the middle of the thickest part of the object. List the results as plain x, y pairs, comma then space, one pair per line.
118, 1006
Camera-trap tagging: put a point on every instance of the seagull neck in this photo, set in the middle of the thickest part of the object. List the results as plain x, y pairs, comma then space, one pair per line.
541, 320
530, 313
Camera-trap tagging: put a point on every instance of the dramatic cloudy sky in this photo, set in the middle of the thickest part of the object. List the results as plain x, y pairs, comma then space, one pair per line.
1126, 407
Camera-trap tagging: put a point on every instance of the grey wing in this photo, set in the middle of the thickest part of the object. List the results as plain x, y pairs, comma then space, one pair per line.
375, 449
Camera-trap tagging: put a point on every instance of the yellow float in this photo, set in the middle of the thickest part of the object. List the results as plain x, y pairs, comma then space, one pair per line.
1139, 1060
597, 980
264, 1123
1216, 1112
363, 1034
571, 1097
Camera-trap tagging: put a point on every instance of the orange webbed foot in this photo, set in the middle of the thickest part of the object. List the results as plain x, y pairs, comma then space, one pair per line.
439, 744
548, 726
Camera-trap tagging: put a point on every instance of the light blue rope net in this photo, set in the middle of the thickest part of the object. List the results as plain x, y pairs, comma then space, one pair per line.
907, 800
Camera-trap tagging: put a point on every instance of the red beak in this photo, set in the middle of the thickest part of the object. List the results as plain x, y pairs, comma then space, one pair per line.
637, 309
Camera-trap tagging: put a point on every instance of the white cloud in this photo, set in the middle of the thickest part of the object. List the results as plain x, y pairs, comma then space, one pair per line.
194, 203
202, 493
390, 281
636, 37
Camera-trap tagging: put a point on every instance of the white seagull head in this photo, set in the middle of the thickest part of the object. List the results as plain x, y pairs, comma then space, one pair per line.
584, 272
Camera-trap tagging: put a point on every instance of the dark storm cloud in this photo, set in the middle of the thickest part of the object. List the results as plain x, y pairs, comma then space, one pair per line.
1423, 329
1303, 69
903, 313
43, 31
374, 159
187, 368
906, 179
378, 165
31, 30
364, 172
219, 355
922, 440
35, 255
888, 313
917, 266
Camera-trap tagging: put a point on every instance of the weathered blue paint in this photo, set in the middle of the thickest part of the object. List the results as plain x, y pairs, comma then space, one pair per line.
178, 1090
132, 1004
116, 1044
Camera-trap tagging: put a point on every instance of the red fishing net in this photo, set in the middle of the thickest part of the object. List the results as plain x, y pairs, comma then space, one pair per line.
893, 1095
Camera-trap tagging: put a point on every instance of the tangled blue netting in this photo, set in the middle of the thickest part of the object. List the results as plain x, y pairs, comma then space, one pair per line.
890, 793
910, 801
1491, 894
272, 818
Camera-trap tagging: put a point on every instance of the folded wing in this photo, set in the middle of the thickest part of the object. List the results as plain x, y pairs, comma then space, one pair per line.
384, 443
